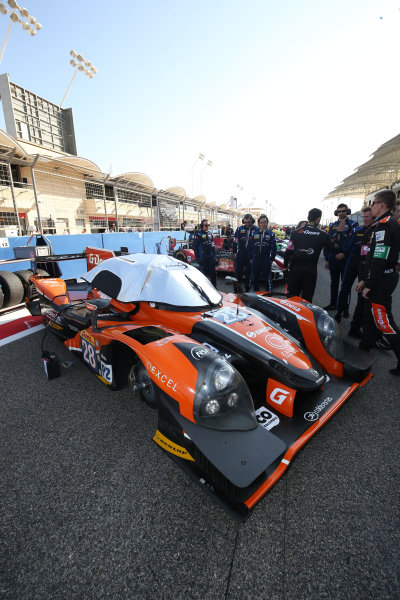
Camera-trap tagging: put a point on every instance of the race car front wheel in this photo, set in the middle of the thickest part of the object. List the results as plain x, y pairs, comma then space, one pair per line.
180, 255
141, 385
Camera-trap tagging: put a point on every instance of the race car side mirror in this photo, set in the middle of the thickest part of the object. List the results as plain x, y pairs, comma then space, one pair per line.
95, 306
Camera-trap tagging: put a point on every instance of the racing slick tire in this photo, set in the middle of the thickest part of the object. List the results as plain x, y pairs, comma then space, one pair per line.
1, 297
180, 255
141, 385
24, 277
29, 288
12, 287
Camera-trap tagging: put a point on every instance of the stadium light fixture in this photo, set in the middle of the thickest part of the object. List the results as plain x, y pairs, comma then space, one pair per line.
18, 18
79, 64
208, 164
200, 157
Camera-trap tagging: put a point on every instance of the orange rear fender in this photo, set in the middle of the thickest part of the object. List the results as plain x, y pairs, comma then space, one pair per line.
53, 288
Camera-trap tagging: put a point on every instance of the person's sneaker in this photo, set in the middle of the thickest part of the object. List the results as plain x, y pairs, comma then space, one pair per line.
355, 333
383, 344
346, 314
330, 307
338, 317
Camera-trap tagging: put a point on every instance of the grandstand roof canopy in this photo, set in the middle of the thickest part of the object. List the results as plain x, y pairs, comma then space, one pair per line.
139, 178
382, 170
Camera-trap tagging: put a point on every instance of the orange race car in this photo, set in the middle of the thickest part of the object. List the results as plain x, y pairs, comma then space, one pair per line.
240, 381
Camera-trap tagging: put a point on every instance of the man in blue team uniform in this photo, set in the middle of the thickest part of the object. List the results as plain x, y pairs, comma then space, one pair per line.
243, 249
264, 251
204, 249
360, 249
341, 236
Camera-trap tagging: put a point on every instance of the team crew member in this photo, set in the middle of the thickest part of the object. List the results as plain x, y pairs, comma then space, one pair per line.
381, 275
362, 236
243, 248
204, 249
302, 255
341, 235
363, 249
264, 251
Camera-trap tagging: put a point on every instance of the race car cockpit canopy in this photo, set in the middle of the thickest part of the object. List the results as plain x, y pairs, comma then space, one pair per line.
153, 278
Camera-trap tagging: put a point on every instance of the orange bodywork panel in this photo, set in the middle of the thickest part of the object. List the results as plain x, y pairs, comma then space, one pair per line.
53, 288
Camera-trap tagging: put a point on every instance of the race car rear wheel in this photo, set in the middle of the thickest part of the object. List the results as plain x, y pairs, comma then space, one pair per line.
180, 255
141, 385
29, 288
12, 288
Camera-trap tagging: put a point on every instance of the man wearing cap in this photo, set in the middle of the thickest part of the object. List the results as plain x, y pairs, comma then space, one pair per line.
341, 236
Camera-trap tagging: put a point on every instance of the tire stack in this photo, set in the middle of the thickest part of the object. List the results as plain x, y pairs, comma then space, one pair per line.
15, 287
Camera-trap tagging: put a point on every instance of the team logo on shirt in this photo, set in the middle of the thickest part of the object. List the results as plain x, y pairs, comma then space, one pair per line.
381, 251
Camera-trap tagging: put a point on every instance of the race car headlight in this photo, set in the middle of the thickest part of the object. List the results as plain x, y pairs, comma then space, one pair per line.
328, 333
223, 400
224, 377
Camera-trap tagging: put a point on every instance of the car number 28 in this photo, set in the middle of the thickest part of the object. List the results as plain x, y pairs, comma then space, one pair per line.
89, 354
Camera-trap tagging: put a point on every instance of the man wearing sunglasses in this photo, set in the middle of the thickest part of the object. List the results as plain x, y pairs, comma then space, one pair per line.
341, 240
243, 249
381, 276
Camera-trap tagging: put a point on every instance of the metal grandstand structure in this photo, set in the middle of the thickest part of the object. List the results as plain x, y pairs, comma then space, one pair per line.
55, 192
382, 170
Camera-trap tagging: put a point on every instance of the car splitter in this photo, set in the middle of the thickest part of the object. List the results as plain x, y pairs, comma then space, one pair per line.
251, 461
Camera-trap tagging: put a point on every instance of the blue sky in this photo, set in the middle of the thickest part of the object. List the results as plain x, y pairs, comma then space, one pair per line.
285, 98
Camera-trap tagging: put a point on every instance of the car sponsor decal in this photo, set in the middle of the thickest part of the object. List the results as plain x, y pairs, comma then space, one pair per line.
381, 318
170, 446
280, 396
286, 305
313, 415
253, 334
199, 352
381, 251
162, 377
266, 418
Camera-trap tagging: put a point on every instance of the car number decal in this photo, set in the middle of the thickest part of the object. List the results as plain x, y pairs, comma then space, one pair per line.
266, 418
106, 371
228, 315
89, 354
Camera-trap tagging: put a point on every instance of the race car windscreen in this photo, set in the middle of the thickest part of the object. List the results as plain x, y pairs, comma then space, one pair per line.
154, 278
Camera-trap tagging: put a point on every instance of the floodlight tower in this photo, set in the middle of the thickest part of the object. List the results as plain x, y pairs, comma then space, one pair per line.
30, 25
208, 164
200, 157
80, 64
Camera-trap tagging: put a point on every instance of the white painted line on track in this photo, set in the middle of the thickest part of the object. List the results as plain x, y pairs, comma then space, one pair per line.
20, 334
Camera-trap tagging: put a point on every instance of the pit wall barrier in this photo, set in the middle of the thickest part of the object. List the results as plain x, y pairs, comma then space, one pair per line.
152, 242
